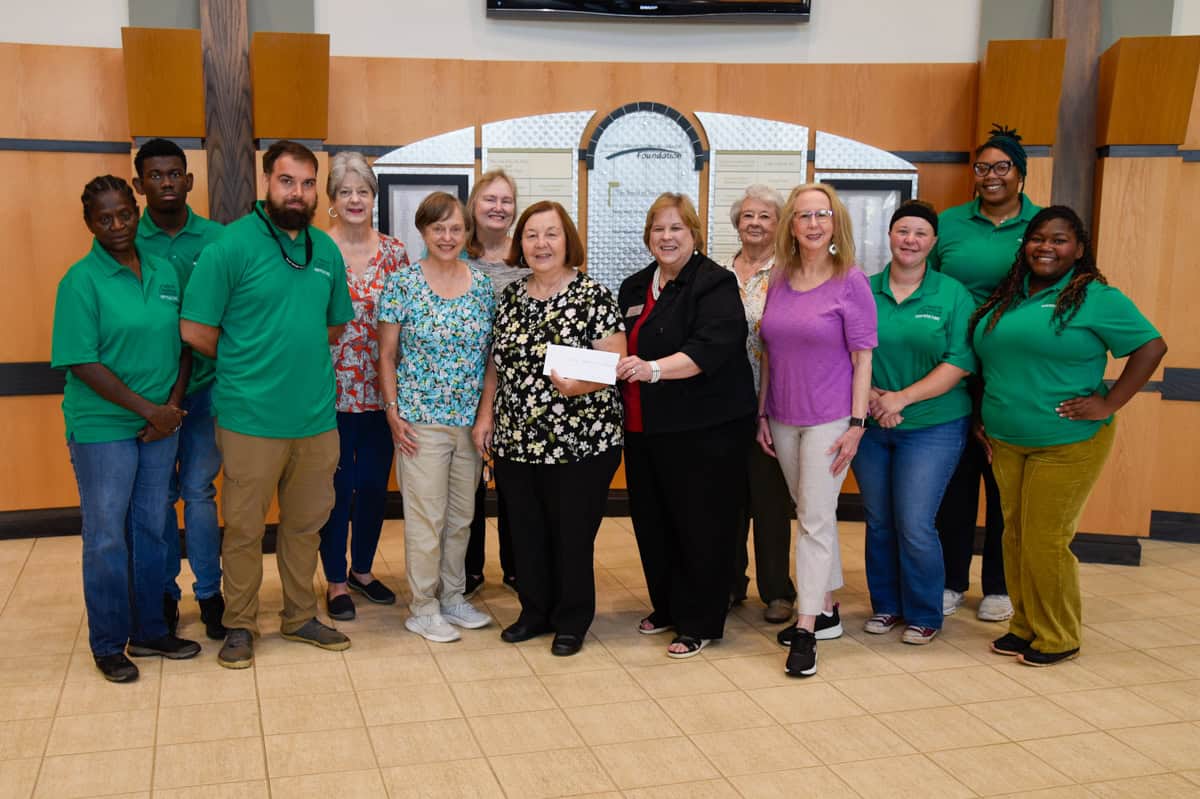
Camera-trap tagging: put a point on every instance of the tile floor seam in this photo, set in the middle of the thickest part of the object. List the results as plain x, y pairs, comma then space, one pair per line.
57, 703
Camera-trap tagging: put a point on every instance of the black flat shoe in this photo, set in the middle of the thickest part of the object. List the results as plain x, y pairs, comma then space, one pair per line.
117, 668
566, 644
167, 646
1032, 657
374, 591
211, 610
340, 607
1010, 645
520, 631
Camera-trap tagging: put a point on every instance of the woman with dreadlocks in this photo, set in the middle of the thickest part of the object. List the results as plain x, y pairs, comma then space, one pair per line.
976, 244
1043, 338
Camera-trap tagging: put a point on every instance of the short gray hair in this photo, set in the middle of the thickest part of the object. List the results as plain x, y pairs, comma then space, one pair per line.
349, 162
760, 192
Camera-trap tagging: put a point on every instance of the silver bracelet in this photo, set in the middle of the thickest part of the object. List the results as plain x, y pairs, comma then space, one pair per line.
655, 372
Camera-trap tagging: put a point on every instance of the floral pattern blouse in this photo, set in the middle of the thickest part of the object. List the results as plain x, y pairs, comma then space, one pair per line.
443, 346
534, 422
754, 299
357, 351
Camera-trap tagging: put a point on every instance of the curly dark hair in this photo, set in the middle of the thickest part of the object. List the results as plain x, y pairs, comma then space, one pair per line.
1070, 299
101, 184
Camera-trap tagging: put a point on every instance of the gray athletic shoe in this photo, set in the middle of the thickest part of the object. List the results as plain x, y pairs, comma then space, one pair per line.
238, 650
315, 633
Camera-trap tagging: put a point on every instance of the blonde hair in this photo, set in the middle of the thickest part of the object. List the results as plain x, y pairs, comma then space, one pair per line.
787, 250
474, 246
687, 212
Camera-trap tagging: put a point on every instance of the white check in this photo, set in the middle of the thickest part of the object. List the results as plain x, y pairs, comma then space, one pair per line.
577, 363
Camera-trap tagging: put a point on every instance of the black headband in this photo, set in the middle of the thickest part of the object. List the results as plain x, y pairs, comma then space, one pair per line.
919, 210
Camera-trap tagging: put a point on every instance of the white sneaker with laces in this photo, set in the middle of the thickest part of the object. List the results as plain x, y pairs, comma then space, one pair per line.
465, 615
995, 607
951, 601
432, 628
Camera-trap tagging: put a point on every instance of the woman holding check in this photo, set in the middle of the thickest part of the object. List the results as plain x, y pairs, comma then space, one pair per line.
556, 441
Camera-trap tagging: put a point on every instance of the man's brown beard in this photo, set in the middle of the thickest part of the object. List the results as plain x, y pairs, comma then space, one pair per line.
289, 218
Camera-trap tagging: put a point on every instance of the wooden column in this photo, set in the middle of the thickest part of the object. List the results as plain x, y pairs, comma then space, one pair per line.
1077, 21
230, 141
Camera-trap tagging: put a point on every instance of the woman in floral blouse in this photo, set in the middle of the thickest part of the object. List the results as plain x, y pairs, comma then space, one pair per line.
435, 330
360, 483
556, 441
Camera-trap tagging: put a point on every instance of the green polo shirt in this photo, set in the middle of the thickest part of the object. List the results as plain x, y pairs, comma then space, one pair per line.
104, 314
274, 373
927, 329
975, 252
183, 251
1028, 367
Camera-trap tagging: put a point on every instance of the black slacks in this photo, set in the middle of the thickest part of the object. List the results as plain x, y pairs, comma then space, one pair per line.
554, 511
769, 505
956, 523
475, 545
686, 494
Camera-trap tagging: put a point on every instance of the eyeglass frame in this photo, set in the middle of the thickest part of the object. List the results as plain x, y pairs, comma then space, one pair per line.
819, 214
1001, 168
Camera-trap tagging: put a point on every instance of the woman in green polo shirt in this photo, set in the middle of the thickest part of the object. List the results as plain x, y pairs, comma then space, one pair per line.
116, 332
976, 244
921, 412
1043, 338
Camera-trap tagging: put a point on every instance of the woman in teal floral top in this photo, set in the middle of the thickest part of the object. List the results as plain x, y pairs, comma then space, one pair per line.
556, 441
435, 330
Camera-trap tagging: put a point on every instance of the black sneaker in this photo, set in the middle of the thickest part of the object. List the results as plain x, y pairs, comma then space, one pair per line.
1010, 645
374, 591
340, 607
117, 668
238, 651
211, 610
802, 655
168, 646
474, 583
171, 613
827, 627
1032, 657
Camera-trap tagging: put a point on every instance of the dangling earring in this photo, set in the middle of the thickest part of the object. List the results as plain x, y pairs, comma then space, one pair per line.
521, 260
833, 250
331, 212
795, 249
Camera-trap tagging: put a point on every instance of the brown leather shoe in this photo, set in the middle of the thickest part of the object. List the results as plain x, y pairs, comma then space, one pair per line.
778, 611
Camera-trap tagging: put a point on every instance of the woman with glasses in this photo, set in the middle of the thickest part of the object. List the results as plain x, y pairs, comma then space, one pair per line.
818, 331
435, 331
976, 246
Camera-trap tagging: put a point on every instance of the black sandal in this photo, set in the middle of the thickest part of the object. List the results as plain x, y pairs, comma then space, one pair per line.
694, 645
655, 627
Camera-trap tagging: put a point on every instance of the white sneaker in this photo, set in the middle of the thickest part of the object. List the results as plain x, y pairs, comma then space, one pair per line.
995, 607
432, 628
951, 601
464, 614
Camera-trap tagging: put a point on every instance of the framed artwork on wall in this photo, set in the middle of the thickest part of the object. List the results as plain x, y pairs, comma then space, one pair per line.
400, 194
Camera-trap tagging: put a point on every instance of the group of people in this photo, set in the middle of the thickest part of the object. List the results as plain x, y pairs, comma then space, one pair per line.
305, 363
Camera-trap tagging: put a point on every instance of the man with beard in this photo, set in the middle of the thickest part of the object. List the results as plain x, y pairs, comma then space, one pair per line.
171, 230
266, 300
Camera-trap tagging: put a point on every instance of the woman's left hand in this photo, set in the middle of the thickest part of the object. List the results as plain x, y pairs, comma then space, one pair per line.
1092, 409
633, 369
886, 402
846, 447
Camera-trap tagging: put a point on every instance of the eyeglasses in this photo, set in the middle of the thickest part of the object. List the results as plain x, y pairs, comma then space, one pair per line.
819, 215
442, 230
982, 168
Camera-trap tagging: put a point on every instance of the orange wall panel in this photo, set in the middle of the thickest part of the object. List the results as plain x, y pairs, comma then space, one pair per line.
164, 81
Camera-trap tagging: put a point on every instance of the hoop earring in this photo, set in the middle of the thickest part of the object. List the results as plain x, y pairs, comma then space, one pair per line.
795, 249
331, 212
833, 249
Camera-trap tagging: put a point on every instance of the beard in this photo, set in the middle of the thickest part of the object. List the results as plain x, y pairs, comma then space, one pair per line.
289, 218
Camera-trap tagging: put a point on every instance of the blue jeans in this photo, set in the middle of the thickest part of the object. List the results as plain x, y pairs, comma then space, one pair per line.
197, 464
123, 500
902, 475
360, 493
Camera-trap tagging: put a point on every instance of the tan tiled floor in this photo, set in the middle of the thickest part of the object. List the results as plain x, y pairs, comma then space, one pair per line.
397, 717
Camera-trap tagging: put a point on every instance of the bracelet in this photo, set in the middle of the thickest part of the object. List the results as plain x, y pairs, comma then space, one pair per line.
655, 372
387, 406
763, 416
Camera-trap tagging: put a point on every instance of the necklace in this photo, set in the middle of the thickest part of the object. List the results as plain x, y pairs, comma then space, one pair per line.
308, 245
655, 290
557, 288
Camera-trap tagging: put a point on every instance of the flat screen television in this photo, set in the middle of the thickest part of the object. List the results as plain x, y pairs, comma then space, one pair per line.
714, 10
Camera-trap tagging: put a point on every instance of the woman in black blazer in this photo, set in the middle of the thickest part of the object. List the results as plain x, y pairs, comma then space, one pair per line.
689, 412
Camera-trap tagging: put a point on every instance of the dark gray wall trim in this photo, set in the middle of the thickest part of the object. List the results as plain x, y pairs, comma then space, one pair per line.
369, 150
184, 142
1190, 156
1138, 151
30, 379
1115, 550
1170, 525
65, 146
316, 145
1181, 385
933, 156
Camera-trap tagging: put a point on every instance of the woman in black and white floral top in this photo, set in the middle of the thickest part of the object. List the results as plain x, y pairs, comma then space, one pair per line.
556, 441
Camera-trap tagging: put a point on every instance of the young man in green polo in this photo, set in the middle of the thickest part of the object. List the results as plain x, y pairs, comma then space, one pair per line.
266, 300
170, 229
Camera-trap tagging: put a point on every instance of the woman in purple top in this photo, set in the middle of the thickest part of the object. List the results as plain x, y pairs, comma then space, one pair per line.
818, 330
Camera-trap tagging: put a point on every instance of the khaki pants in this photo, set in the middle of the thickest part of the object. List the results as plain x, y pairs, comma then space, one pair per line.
301, 469
1042, 492
439, 502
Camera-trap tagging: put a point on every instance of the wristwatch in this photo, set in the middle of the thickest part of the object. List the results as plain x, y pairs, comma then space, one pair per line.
856, 421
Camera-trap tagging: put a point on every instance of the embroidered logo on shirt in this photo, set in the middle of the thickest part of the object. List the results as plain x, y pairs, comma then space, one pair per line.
321, 271
169, 292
